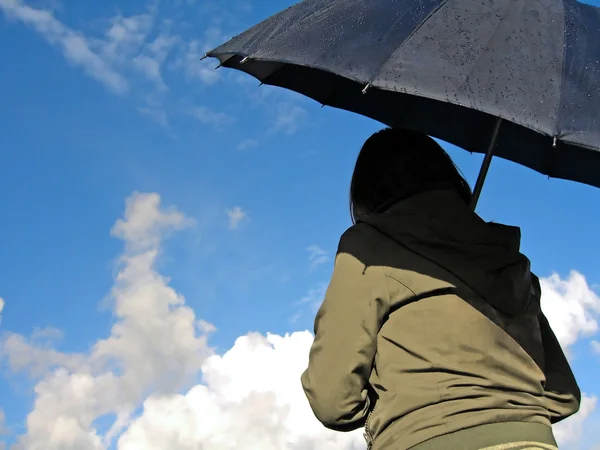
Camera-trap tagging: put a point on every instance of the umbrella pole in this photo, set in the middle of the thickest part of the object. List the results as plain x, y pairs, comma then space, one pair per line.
485, 166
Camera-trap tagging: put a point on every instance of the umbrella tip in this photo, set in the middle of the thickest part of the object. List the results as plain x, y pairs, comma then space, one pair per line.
244, 59
204, 57
554, 140
219, 66
366, 88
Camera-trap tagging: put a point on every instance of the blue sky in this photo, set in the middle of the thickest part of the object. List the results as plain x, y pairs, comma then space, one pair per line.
243, 192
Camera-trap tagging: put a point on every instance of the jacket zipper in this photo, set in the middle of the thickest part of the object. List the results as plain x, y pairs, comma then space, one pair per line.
367, 434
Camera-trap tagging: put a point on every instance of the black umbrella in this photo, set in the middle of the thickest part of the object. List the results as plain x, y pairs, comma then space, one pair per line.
519, 79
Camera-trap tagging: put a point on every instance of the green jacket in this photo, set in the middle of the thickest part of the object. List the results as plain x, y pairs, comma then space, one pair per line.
432, 324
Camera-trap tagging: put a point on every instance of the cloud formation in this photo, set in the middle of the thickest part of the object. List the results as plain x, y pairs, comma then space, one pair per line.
143, 379
150, 68
571, 306
130, 55
265, 409
3, 429
195, 68
207, 116
246, 144
569, 431
156, 345
317, 256
236, 216
146, 55
288, 118
74, 45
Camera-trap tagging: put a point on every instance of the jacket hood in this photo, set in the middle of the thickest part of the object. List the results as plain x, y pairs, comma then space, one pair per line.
485, 256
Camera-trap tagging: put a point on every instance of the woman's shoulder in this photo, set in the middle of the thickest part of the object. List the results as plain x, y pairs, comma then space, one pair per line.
360, 237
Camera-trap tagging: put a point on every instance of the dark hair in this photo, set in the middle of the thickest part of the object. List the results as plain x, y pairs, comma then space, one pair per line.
394, 164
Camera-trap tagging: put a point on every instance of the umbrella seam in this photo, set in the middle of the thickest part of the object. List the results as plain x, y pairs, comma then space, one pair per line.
499, 24
305, 19
431, 14
552, 160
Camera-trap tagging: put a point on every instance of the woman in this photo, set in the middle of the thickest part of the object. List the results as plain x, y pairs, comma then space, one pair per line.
431, 334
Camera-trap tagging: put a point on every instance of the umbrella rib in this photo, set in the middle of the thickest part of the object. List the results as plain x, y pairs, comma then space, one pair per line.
461, 85
279, 69
552, 162
429, 16
308, 18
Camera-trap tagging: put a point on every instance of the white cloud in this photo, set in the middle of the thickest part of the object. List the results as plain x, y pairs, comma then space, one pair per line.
36, 355
125, 37
295, 317
145, 223
162, 45
569, 431
250, 397
310, 302
1, 308
263, 409
150, 68
149, 56
156, 345
195, 68
74, 45
289, 118
133, 48
571, 306
595, 347
113, 58
236, 215
246, 144
314, 297
205, 327
157, 114
207, 116
47, 334
3, 429
317, 256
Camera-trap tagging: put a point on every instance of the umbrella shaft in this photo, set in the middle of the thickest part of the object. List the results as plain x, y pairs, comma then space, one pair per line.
485, 166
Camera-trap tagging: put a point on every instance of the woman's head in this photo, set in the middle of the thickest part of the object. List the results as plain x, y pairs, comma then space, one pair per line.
394, 164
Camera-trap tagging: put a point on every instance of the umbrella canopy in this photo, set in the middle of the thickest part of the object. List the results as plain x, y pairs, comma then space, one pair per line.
525, 72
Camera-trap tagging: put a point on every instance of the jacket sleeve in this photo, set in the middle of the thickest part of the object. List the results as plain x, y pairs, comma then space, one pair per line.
336, 381
562, 393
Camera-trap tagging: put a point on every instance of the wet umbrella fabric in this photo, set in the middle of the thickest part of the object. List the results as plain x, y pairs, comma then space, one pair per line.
523, 72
